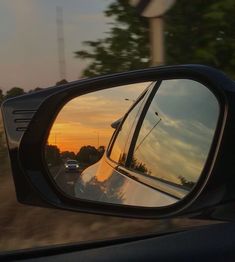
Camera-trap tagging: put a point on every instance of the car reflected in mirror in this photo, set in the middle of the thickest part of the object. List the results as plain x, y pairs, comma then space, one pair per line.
81, 132
71, 165
148, 151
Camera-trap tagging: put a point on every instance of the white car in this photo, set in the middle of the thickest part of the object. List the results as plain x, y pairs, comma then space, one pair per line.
71, 166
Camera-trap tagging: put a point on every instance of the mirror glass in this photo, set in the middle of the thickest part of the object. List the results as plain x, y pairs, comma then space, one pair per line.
142, 144
82, 130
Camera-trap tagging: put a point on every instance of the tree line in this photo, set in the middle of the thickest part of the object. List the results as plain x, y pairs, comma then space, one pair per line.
87, 155
14, 91
17, 91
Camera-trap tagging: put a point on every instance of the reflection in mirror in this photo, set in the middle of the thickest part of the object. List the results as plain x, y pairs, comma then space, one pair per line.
176, 134
158, 150
82, 130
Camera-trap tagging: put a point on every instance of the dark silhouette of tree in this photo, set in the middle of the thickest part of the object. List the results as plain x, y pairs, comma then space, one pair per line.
14, 91
107, 191
17, 91
61, 82
101, 150
52, 155
186, 183
35, 90
68, 155
3, 146
89, 154
1, 96
139, 166
122, 158
125, 47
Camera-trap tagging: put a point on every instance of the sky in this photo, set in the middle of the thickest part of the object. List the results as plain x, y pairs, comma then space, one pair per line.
182, 133
87, 120
28, 33
29, 59
177, 145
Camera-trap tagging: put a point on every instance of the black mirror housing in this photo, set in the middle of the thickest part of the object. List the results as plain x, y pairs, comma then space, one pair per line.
28, 119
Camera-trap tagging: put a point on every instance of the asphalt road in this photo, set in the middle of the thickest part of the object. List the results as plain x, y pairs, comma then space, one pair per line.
65, 180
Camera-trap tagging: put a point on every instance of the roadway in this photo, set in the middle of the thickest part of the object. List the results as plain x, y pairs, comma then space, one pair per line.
65, 180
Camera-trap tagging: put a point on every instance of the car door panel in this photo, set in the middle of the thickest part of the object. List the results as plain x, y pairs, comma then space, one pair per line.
103, 182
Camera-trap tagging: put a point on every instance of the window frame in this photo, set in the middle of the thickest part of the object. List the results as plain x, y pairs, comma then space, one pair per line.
164, 186
140, 123
144, 95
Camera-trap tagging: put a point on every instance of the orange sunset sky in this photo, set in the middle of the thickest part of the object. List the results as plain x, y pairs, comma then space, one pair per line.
86, 120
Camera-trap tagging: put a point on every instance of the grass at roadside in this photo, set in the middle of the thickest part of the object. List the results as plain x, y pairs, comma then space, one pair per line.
27, 227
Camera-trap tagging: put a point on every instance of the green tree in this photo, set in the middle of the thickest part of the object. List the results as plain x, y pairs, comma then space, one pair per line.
14, 91
202, 32
195, 32
125, 47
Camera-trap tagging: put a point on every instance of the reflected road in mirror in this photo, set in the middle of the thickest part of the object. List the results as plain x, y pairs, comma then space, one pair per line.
82, 131
177, 132
157, 151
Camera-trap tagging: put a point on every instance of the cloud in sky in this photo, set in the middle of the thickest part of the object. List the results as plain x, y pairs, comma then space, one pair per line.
84, 118
178, 144
20, 8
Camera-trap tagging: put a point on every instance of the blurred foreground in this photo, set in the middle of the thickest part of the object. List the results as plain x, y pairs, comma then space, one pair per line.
28, 227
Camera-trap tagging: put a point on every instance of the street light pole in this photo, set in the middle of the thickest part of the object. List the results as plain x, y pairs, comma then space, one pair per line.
98, 138
154, 10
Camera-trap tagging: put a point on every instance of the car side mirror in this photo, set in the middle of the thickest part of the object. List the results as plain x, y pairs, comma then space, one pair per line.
163, 142
162, 157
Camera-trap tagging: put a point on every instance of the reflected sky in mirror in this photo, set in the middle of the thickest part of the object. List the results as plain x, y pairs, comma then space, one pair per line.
87, 120
177, 132
82, 131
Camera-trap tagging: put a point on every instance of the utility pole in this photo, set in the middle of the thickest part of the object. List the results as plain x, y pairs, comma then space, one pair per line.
157, 41
60, 42
154, 10
98, 138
